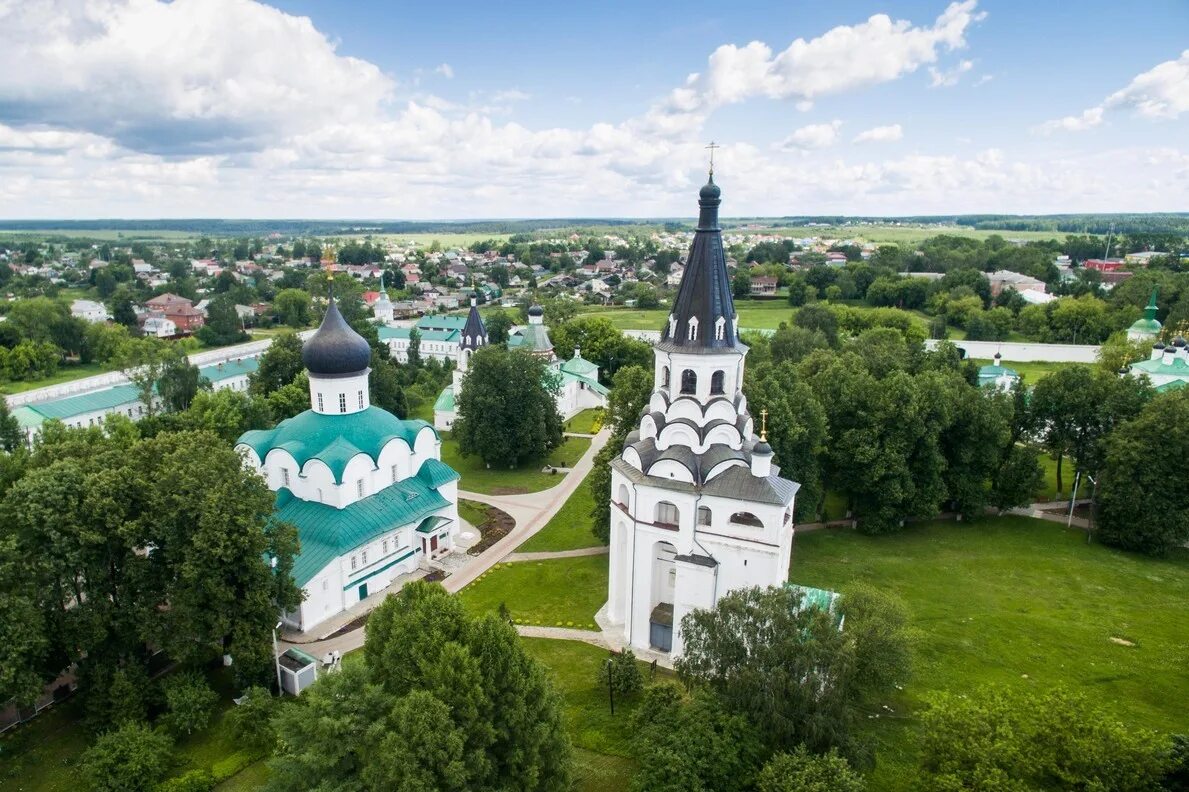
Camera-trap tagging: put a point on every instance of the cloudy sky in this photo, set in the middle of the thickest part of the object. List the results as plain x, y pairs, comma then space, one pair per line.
311, 108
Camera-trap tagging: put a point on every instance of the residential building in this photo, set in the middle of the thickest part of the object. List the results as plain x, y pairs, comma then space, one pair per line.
764, 285
89, 311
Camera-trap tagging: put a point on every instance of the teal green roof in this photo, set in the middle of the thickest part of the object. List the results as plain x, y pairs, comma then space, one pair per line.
27, 418
441, 322
96, 401
580, 366
534, 338
435, 473
445, 402
1172, 385
326, 533
592, 384
230, 368
432, 523
334, 439
990, 373
387, 333
1177, 368
391, 333
1150, 327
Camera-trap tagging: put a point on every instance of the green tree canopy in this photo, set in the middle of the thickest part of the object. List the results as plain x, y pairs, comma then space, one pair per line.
507, 411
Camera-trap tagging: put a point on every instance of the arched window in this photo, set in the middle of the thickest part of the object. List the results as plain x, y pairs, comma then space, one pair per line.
716, 380
623, 495
664, 376
689, 381
746, 518
667, 514
703, 516
693, 328
720, 328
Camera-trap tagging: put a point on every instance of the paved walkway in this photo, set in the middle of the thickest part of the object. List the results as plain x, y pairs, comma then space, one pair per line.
563, 634
531, 511
547, 555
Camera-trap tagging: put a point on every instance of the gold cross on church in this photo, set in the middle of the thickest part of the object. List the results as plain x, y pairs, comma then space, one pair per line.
712, 147
764, 425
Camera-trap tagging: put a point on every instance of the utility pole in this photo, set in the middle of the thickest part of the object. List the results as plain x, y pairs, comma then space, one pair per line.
610, 685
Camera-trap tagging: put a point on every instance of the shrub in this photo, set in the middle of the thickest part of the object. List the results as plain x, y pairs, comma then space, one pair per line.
193, 781
626, 678
133, 758
251, 720
190, 702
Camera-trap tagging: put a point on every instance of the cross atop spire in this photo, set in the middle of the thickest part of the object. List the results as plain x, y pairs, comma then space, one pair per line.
711, 148
764, 425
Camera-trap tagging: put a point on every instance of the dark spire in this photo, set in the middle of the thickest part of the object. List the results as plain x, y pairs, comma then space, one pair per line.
705, 290
335, 349
474, 333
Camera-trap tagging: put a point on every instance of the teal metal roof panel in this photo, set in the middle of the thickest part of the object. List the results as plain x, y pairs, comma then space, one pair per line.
326, 533
435, 473
230, 368
96, 401
334, 439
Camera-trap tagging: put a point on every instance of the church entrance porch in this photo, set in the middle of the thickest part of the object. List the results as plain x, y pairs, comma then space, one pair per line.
664, 584
660, 627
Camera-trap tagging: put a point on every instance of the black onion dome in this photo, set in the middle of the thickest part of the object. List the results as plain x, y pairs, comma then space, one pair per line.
1158, 345
335, 349
710, 191
536, 310
762, 448
1178, 341
704, 294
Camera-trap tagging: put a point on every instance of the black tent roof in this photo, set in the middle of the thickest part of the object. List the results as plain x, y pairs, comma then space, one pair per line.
705, 290
474, 328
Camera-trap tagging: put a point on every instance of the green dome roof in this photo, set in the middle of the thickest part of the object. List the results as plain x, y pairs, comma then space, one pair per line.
334, 439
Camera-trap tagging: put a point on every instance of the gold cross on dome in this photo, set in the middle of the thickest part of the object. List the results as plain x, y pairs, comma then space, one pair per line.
764, 425
712, 147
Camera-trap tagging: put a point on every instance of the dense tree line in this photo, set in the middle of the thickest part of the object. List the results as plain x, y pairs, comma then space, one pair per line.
114, 545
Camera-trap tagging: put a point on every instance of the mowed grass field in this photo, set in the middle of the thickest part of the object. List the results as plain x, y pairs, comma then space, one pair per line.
560, 592
569, 529
528, 477
1018, 602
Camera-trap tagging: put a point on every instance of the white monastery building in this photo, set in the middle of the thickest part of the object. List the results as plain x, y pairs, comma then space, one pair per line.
368, 492
698, 508
578, 379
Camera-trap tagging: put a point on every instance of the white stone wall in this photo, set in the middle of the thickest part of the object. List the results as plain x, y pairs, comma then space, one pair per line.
1025, 352
325, 393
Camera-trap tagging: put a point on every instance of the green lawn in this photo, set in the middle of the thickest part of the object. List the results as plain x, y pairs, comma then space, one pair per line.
585, 422
472, 511
529, 477
1017, 601
569, 529
562, 592
902, 234
574, 668
66, 373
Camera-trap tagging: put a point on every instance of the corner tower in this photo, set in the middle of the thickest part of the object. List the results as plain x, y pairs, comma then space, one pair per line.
698, 508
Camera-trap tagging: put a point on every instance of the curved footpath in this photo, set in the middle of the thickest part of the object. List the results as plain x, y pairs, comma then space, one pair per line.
531, 511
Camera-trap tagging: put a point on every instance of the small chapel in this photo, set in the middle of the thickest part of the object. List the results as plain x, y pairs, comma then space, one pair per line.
698, 507
367, 491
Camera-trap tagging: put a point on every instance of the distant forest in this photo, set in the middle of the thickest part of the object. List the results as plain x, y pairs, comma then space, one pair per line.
1122, 223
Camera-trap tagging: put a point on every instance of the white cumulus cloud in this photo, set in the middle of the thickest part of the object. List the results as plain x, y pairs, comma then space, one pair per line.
446, 70
950, 77
841, 59
814, 136
1162, 92
880, 134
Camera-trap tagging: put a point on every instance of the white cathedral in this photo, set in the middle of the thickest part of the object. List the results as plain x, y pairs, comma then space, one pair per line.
698, 509
367, 491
